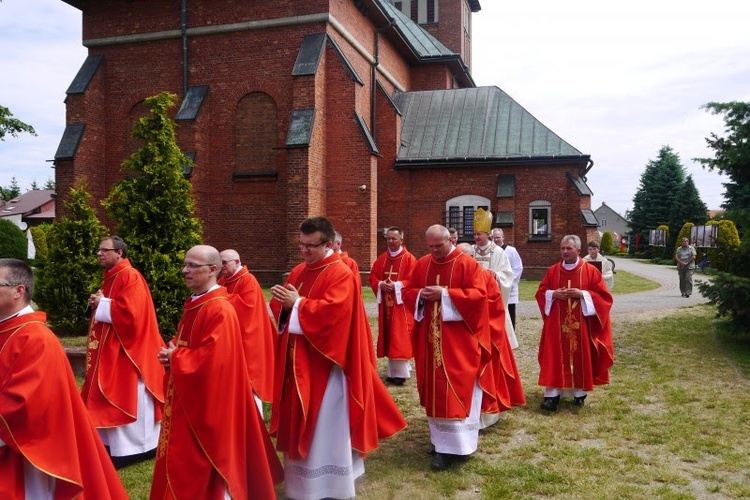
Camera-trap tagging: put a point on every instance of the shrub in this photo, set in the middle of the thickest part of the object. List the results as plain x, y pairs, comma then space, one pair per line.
13, 242
607, 246
40, 243
72, 271
154, 210
731, 295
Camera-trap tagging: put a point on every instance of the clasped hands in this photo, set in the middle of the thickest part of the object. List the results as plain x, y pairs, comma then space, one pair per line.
567, 293
431, 293
287, 295
94, 299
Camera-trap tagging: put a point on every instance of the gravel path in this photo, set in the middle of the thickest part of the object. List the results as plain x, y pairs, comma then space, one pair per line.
667, 296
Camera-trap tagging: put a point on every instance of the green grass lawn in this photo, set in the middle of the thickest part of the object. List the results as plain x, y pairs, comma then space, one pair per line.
672, 424
624, 283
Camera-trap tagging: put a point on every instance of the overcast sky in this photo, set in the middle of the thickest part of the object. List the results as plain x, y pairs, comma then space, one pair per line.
616, 80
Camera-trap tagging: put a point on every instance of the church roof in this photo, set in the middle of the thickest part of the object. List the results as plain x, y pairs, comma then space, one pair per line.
474, 126
423, 44
424, 47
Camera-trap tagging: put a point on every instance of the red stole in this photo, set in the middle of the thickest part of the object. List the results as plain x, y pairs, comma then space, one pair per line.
450, 356
575, 351
42, 417
212, 434
258, 330
333, 319
395, 321
122, 351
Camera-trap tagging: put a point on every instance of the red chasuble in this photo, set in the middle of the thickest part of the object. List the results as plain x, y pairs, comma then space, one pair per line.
507, 379
212, 435
122, 351
352, 264
334, 321
258, 330
395, 321
43, 420
450, 356
575, 351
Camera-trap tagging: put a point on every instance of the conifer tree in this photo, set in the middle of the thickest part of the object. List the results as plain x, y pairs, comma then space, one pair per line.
72, 270
153, 211
657, 193
688, 206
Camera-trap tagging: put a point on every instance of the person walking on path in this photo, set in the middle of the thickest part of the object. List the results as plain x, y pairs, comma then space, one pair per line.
685, 257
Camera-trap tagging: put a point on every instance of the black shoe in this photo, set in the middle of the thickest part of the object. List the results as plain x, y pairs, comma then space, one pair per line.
578, 401
550, 404
441, 462
398, 381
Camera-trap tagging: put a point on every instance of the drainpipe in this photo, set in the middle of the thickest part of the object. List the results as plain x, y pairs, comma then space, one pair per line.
183, 28
588, 169
374, 77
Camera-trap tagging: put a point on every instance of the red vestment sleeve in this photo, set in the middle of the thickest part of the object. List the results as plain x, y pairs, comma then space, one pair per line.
42, 417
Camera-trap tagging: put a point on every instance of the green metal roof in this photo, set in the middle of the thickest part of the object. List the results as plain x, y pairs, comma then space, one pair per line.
474, 125
422, 43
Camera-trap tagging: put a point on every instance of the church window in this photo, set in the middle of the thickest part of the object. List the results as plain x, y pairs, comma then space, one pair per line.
459, 214
540, 220
506, 185
256, 134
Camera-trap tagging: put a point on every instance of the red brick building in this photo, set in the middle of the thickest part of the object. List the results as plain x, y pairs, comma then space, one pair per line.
363, 111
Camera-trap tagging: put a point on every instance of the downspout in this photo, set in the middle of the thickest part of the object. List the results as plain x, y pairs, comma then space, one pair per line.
374, 77
588, 169
183, 28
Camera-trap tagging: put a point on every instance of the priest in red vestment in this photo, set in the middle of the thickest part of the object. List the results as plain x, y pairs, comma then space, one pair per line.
123, 389
213, 442
508, 386
452, 346
48, 446
258, 330
330, 407
395, 320
350, 263
575, 349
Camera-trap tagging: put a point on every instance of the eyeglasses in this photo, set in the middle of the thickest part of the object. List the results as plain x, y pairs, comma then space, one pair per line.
193, 265
310, 246
9, 284
105, 250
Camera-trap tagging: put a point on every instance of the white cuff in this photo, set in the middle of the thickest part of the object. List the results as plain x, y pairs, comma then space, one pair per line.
294, 327
103, 311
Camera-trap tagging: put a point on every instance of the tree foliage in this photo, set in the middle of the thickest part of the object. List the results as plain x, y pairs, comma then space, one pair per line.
732, 152
39, 235
13, 242
72, 271
656, 192
13, 190
731, 293
9, 125
666, 196
688, 206
607, 246
154, 211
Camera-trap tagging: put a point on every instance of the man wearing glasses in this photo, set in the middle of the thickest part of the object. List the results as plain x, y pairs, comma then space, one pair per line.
330, 407
48, 445
213, 442
123, 388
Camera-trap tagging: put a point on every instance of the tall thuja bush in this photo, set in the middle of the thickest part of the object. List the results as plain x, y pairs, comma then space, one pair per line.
13, 243
608, 243
154, 210
72, 270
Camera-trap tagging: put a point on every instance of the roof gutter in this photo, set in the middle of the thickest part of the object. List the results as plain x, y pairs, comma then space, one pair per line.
488, 161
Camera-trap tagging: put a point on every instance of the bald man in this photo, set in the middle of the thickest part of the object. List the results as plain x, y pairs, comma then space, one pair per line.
208, 400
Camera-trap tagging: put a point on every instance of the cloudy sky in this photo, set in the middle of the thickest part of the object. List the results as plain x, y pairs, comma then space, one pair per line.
616, 80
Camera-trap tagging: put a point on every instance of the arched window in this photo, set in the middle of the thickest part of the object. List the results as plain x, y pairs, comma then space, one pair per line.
256, 151
540, 220
459, 214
